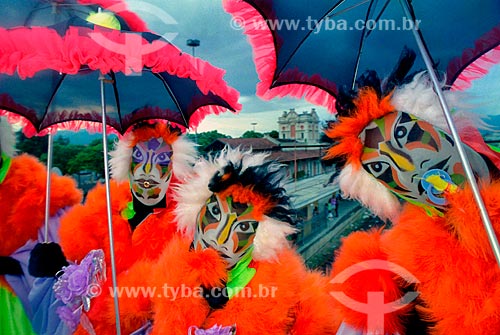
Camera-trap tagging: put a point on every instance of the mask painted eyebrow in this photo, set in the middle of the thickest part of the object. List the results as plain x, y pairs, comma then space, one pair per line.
239, 208
373, 137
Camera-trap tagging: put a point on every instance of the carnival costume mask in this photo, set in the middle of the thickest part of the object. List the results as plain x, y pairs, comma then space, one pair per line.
150, 157
151, 170
396, 143
227, 226
402, 151
237, 205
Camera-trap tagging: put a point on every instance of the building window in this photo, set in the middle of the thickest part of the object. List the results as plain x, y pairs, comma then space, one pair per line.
302, 135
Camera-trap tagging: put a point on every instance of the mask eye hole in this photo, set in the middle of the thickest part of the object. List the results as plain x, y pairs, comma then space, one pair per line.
137, 155
247, 227
400, 132
377, 168
213, 211
163, 158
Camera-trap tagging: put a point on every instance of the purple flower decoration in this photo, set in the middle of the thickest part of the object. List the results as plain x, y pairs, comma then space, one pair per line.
72, 287
69, 317
215, 330
78, 281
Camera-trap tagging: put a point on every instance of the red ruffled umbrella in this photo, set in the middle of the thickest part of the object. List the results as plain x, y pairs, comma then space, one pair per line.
306, 49
104, 79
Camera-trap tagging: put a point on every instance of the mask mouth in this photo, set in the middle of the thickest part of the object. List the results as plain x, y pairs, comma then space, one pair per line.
147, 183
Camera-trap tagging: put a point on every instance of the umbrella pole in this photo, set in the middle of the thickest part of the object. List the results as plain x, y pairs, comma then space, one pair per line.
108, 205
463, 156
47, 187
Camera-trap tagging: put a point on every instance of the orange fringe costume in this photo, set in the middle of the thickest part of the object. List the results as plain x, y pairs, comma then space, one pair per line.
22, 204
451, 261
443, 256
85, 227
282, 297
22, 201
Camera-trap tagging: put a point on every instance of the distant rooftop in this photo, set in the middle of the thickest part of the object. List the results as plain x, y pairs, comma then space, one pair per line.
270, 145
258, 144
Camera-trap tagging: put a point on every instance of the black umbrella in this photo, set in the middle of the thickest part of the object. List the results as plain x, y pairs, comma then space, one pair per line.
61, 15
43, 13
71, 80
176, 87
327, 43
305, 49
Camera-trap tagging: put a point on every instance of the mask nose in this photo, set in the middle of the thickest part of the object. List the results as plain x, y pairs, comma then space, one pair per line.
224, 234
148, 165
401, 159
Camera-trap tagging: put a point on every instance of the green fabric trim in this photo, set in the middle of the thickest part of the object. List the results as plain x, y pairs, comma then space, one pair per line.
494, 148
128, 212
431, 211
240, 275
6, 163
13, 318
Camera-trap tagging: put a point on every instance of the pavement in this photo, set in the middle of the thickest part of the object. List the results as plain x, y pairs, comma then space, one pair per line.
306, 191
321, 224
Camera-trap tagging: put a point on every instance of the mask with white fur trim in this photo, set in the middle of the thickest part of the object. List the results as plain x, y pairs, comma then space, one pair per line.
397, 144
236, 204
149, 156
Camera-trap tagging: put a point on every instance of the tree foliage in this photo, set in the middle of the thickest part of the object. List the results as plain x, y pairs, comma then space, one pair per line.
274, 134
69, 158
90, 158
35, 146
206, 138
63, 153
252, 134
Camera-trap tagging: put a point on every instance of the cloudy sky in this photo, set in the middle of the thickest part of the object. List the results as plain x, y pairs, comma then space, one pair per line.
225, 47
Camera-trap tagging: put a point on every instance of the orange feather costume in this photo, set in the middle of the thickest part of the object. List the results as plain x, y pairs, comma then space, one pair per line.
280, 296
22, 204
85, 227
453, 267
442, 254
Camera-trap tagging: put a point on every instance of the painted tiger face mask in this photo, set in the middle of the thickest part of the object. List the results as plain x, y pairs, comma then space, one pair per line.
151, 170
405, 153
226, 226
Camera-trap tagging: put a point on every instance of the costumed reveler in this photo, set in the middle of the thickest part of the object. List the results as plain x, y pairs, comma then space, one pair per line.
434, 268
234, 270
147, 161
22, 205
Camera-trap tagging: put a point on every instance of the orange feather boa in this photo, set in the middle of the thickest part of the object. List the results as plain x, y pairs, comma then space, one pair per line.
450, 256
292, 300
85, 228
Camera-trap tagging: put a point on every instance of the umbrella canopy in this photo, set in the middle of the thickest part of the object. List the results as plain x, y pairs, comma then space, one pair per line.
68, 76
52, 80
305, 48
42, 13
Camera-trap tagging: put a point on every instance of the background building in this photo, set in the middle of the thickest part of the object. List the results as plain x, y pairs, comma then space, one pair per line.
303, 127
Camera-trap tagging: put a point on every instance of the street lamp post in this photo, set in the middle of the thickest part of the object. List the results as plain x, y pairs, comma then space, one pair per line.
193, 43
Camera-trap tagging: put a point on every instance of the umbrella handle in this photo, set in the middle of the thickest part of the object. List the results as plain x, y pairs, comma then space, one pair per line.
108, 205
50, 139
461, 151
